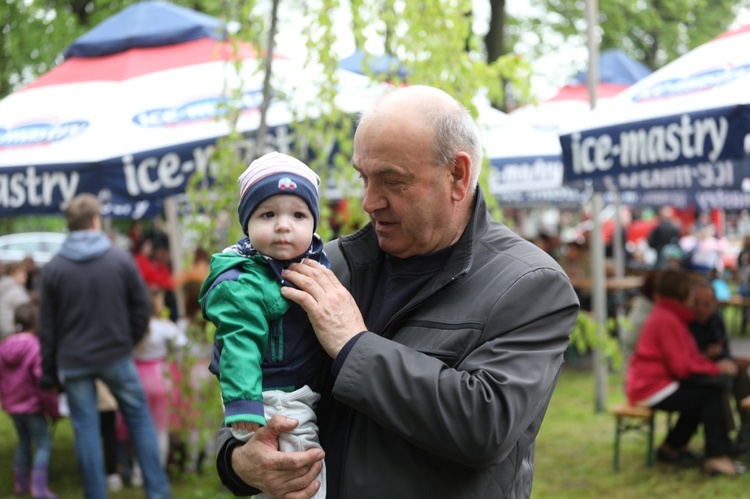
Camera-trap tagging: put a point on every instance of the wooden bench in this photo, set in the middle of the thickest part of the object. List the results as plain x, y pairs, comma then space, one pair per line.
627, 418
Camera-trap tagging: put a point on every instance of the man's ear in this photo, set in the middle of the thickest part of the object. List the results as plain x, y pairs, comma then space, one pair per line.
460, 176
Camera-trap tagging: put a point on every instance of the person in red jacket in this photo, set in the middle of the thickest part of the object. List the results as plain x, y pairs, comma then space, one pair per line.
668, 372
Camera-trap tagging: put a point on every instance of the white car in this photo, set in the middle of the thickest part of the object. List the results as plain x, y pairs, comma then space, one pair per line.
40, 246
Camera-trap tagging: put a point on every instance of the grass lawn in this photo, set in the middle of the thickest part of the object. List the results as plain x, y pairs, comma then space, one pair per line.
65, 480
573, 457
574, 452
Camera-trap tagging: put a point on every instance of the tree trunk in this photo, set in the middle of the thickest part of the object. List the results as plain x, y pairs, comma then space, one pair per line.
79, 8
493, 40
260, 136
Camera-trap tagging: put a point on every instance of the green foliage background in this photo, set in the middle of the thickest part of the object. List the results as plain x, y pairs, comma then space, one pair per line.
433, 38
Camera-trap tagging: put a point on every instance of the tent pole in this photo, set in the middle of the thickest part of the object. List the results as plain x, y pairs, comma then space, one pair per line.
598, 287
175, 248
599, 303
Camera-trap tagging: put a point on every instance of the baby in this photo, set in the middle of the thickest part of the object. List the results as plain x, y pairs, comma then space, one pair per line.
267, 358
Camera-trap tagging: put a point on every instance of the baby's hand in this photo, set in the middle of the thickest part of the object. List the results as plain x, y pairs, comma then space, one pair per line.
245, 425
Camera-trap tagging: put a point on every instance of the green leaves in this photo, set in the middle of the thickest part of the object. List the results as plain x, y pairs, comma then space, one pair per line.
587, 335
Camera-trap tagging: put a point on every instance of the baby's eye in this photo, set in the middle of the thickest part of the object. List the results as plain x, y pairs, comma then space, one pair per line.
267, 214
299, 215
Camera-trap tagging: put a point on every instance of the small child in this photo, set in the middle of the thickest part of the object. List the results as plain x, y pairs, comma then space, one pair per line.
162, 337
269, 360
20, 370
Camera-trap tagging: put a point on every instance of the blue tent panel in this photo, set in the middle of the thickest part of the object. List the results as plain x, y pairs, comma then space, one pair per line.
146, 24
377, 65
616, 67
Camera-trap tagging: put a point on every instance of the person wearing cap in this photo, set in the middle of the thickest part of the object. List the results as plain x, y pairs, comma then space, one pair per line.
267, 358
445, 331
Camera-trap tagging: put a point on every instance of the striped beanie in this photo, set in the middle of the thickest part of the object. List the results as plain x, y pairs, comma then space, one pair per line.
276, 173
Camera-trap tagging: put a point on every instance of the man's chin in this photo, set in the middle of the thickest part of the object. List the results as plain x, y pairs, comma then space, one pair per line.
386, 243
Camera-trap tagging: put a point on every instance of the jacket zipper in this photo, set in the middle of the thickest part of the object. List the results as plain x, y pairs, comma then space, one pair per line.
277, 342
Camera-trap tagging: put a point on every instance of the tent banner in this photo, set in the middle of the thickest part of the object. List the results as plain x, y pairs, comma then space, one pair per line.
692, 151
562, 197
133, 181
734, 200
514, 174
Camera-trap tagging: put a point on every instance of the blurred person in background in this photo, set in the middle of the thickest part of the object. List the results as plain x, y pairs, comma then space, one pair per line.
706, 255
193, 407
32, 278
197, 271
162, 265
666, 232
710, 333
27, 405
163, 336
743, 267
549, 243
135, 235
668, 372
107, 405
575, 260
94, 310
640, 308
12, 294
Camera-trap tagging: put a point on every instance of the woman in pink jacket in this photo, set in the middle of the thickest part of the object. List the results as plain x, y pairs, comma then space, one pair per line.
668, 372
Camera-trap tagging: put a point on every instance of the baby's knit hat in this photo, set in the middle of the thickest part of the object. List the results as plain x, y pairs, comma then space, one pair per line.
276, 173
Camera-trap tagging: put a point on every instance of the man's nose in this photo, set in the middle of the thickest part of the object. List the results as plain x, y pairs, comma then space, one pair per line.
373, 199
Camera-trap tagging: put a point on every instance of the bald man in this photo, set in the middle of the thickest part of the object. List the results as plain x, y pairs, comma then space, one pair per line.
445, 330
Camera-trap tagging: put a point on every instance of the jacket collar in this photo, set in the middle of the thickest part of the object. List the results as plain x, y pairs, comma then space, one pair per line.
362, 252
684, 313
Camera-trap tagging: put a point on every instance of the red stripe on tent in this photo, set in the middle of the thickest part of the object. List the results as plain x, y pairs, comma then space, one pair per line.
581, 92
737, 31
140, 61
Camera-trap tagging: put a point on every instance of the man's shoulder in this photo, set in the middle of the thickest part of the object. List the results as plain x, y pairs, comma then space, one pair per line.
117, 254
510, 247
112, 254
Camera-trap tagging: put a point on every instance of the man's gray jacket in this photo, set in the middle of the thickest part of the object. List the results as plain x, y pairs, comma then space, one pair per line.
449, 399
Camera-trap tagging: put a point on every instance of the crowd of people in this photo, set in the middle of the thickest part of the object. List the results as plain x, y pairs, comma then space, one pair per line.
93, 341
677, 349
693, 241
674, 340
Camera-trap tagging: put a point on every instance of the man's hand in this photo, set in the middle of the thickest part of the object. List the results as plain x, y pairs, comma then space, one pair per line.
743, 363
331, 308
51, 383
714, 350
289, 475
727, 366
